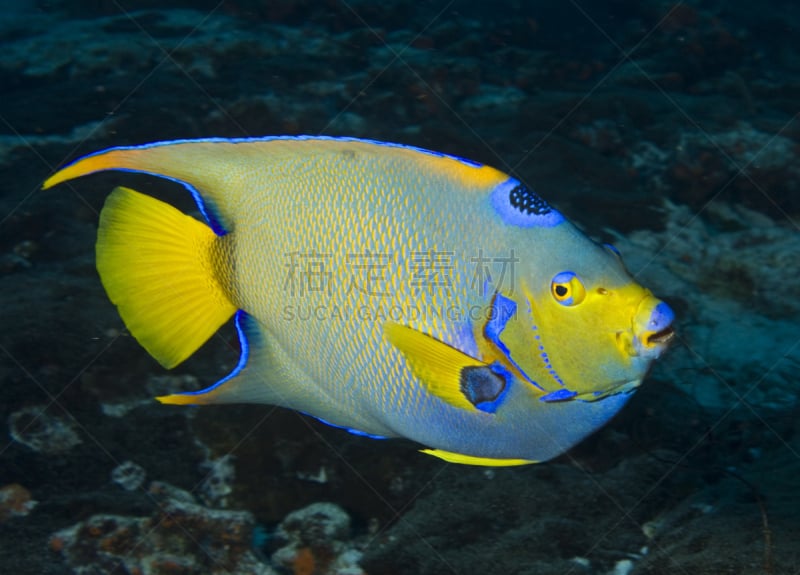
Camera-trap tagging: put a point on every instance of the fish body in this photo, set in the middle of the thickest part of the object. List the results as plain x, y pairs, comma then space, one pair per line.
388, 290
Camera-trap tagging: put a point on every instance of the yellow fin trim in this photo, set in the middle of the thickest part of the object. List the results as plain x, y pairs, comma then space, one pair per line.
437, 365
183, 399
161, 268
451, 457
468, 176
107, 160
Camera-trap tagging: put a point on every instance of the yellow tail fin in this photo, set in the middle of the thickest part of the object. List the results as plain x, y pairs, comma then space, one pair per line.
162, 270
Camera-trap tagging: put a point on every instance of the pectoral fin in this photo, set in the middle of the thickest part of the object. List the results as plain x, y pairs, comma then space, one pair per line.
441, 368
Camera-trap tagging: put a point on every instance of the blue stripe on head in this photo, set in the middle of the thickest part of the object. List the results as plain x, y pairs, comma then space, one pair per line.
559, 395
503, 309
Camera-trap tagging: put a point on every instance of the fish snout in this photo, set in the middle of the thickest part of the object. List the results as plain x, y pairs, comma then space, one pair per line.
652, 327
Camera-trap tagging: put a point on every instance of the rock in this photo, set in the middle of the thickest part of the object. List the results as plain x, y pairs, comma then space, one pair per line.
181, 536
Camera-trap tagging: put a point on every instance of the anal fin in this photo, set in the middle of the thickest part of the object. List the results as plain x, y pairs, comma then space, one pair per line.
237, 390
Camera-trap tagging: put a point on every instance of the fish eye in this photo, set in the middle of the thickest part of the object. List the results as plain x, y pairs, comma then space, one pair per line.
567, 289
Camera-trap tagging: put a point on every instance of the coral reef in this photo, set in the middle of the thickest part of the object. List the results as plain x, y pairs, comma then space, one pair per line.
128, 475
317, 540
38, 429
15, 501
181, 537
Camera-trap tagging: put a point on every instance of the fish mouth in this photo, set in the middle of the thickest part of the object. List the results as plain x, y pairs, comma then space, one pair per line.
661, 337
652, 327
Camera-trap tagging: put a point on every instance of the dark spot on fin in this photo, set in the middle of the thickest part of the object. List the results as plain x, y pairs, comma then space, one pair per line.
479, 384
484, 386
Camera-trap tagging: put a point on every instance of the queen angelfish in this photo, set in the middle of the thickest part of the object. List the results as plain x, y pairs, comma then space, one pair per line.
385, 289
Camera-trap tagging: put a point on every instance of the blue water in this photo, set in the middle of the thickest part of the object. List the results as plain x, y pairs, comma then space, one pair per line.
668, 129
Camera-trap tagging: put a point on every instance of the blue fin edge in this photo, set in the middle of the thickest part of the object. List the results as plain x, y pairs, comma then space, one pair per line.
303, 137
208, 214
239, 318
347, 429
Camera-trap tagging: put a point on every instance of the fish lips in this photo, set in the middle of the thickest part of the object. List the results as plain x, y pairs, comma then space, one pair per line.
653, 328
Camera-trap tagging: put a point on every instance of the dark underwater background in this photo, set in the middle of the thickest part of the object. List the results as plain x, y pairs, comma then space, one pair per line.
668, 128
